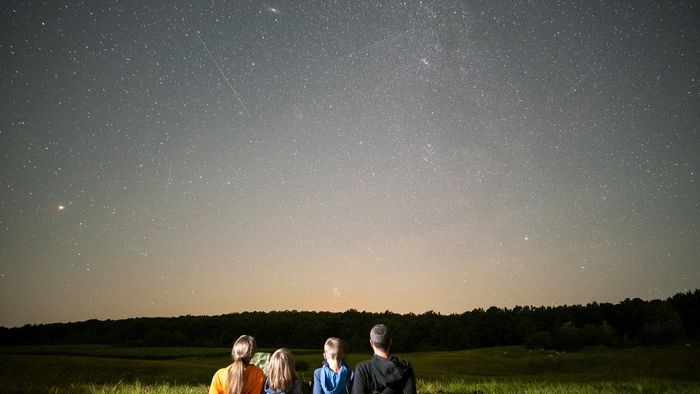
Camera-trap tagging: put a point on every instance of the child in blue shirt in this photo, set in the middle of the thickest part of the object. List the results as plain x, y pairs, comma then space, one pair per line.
334, 376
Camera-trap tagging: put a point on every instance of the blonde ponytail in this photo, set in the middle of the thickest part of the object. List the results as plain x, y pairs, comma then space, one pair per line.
242, 352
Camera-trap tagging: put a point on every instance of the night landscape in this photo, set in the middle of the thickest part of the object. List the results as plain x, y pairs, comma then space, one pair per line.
511, 186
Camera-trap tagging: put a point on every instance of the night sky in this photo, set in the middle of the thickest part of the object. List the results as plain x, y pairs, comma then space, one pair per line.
163, 158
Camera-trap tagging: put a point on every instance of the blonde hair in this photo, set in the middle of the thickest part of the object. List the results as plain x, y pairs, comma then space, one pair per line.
333, 348
242, 351
280, 371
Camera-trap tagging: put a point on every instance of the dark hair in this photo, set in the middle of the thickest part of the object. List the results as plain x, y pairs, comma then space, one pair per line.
381, 336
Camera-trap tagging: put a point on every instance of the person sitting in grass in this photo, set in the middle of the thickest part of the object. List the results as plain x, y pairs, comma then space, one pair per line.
383, 373
334, 376
281, 374
241, 377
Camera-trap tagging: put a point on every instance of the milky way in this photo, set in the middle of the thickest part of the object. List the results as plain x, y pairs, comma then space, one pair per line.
166, 158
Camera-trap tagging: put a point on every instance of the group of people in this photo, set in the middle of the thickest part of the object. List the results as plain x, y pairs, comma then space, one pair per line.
383, 373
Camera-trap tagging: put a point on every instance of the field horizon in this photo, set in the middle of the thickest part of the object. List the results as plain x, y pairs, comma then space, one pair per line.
99, 368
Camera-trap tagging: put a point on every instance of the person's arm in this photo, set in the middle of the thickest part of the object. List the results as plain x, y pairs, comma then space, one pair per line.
216, 387
359, 382
410, 387
351, 381
317, 382
296, 387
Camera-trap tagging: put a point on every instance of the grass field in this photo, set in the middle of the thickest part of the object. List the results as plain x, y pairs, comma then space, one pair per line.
104, 369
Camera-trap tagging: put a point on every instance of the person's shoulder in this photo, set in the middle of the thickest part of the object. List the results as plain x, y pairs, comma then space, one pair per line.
318, 371
224, 370
220, 376
405, 364
364, 364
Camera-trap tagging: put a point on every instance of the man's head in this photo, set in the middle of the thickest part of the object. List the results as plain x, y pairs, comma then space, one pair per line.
380, 337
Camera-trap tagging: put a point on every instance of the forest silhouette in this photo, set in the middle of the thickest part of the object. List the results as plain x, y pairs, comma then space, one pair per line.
632, 322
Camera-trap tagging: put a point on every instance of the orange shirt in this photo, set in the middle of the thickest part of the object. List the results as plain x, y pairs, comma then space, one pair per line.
254, 380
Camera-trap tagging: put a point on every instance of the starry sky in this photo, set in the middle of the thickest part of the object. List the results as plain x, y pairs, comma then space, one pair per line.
163, 158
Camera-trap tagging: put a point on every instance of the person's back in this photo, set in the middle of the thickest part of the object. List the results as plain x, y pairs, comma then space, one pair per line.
253, 378
383, 373
240, 377
334, 377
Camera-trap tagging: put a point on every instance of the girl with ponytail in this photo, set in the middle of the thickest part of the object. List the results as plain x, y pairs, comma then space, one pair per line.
240, 377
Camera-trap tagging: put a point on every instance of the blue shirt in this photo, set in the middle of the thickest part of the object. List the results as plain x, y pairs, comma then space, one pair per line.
327, 381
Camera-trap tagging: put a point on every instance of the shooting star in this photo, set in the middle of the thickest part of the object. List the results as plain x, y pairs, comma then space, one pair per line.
580, 81
167, 184
170, 172
222, 74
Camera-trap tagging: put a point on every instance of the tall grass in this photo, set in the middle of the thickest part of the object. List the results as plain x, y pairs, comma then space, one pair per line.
139, 388
98, 369
118, 388
455, 386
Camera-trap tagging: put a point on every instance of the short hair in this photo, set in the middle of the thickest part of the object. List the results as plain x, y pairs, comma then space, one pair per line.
334, 348
381, 336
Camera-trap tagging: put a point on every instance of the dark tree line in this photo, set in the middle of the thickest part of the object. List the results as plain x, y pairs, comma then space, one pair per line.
630, 322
